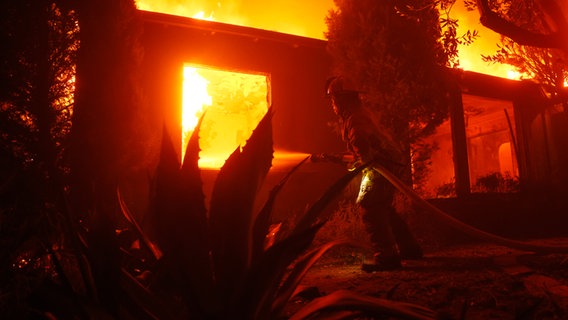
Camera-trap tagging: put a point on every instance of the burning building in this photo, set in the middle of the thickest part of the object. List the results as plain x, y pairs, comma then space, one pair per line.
285, 71
502, 136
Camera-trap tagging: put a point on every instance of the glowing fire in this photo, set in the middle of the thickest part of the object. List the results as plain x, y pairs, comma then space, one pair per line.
201, 15
286, 16
231, 103
195, 99
291, 19
260, 14
485, 44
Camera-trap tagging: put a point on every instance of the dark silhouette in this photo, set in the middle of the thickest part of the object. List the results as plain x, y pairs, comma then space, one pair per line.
390, 236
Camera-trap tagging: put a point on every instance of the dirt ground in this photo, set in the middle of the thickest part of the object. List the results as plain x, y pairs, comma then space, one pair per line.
469, 281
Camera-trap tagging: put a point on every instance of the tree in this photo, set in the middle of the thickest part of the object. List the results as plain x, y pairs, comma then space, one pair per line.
37, 70
555, 13
393, 51
37, 74
526, 42
108, 137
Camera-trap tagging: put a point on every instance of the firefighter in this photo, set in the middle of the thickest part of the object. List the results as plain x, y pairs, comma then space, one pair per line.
390, 236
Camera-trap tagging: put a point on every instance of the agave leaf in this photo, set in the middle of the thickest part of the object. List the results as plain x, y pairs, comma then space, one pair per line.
375, 307
135, 227
195, 249
103, 249
314, 213
144, 299
288, 287
277, 258
165, 206
262, 222
266, 276
179, 219
231, 207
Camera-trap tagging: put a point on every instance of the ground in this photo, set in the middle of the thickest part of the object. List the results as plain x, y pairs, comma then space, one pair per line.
468, 281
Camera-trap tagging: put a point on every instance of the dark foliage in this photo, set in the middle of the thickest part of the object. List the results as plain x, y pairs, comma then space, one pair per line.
395, 52
547, 66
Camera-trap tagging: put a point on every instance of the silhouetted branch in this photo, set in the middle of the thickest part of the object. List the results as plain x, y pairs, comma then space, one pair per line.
556, 39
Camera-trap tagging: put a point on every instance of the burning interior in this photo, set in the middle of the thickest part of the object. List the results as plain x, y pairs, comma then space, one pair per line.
490, 144
231, 104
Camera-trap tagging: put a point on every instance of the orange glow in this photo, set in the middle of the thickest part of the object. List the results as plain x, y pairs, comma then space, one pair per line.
287, 159
231, 103
195, 99
286, 16
289, 16
485, 44
201, 15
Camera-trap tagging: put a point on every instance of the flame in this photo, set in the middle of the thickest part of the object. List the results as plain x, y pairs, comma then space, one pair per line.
485, 44
235, 103
229, 120
195, 99
291, 19
284, 16
201, 15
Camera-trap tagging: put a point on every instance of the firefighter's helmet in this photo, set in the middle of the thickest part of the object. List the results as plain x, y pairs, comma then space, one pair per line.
339, 85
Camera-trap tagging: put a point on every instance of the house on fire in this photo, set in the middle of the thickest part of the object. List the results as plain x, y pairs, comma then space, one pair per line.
499, 130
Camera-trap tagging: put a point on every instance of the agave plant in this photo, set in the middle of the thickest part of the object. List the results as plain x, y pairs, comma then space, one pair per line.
215, 262
199, 261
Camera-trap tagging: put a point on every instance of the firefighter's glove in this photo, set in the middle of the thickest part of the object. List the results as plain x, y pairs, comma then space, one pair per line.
354, 165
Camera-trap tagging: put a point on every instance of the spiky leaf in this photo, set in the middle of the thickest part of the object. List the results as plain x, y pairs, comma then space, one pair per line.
314, 213
266, 276
179, 220
165, 206
231, 207
375, 307
300, 269
262, 222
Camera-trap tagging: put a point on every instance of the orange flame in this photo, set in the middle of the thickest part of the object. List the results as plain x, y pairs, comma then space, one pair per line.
291, 19
260, 14
235, 103
195, 99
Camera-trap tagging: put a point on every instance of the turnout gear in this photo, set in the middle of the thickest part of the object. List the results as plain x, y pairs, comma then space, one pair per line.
390, 235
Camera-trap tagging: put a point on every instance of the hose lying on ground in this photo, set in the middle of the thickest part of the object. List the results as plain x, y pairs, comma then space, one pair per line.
457, 224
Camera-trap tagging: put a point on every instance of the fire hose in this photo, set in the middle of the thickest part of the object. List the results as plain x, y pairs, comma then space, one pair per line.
463, 227
443, 216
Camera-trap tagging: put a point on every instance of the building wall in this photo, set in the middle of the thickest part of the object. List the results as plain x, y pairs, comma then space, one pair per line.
297, 68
